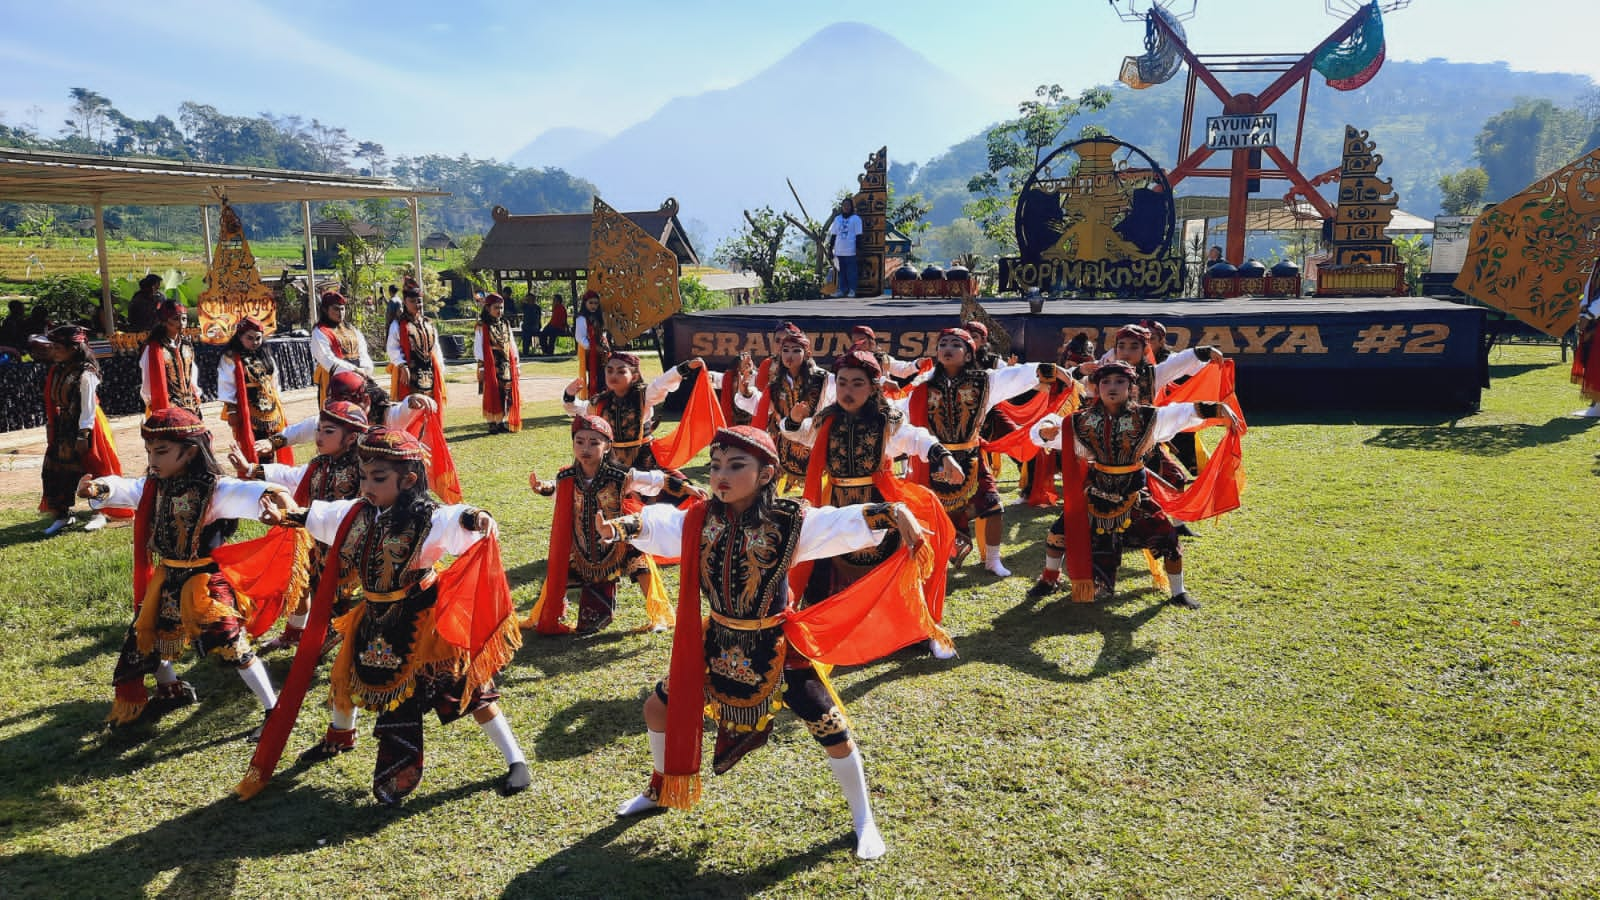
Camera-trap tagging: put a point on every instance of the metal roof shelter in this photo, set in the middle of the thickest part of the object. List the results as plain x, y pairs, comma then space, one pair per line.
38, 176
555, 247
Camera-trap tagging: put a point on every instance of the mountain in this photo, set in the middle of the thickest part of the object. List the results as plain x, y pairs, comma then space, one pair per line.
557, 147
1423, 116
813, 117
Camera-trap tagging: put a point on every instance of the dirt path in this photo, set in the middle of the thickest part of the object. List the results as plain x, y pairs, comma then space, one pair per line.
22, 452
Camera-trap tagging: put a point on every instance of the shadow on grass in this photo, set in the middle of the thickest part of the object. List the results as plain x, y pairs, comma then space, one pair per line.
1010, 638
29, 532
588, 725
206, 845
104, 642
1481, 440
598, 867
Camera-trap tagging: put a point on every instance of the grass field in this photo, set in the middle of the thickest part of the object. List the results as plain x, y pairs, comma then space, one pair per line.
1390, 691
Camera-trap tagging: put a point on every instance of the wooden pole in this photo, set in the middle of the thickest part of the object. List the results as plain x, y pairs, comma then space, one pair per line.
416, 238
205, 233
311, 265
108, 313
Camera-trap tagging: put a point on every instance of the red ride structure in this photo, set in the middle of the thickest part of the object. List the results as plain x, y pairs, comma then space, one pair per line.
1348, 58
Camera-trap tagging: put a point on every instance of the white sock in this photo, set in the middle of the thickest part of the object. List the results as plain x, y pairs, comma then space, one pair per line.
991, 561
1176, 578
299, 620
255, 676
165, 673
499, 732
658, 749
852, 778
1052, 563
344, 721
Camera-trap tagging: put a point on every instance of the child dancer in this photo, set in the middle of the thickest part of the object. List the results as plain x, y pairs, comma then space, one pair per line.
494, 346
247, 385
629, 406
737, 548
78, 437
167, 374
185, 509
336, 345
413, 348
394, 660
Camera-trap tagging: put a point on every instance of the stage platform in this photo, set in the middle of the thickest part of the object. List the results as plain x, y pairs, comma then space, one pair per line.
1293, 353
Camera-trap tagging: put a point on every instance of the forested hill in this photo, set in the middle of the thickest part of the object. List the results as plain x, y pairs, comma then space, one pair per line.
1424, 117
202, 133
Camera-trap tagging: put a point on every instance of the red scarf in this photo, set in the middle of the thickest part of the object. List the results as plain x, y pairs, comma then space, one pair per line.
142, 516
440, 465
1586, 364
156, 376
686, 703
1075, 519
275, 735
552, 603
489, 383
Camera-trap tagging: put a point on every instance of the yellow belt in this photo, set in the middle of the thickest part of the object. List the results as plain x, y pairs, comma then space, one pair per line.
390, 596
1117, 470
639, 443
852, 482
747, 624
969, 445
186, 563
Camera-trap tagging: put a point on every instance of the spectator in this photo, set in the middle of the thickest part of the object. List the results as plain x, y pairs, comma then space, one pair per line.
395, 305
142, 307
842, 236
14, 331
532, 320
556, 327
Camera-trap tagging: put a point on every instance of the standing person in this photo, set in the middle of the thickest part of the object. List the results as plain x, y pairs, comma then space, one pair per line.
953, 404
794, 379
842, 234
167, 373
532, 321
78, 437
142, 306
595, 485
396, 659
248, 386
737, 548
498, 376
1586, 357
394, 306
413, 348
185, 508
556, 327
336, 345
1114, 435
594, 345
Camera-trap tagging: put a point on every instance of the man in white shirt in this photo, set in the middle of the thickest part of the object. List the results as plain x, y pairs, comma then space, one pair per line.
842, 235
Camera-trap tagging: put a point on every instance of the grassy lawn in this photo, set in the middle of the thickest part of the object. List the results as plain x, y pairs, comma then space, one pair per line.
1390, 690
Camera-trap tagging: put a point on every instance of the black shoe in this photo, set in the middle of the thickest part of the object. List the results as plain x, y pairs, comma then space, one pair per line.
172, 696
516, 781
1184, 600
1184, 530
254, 737
1042, 588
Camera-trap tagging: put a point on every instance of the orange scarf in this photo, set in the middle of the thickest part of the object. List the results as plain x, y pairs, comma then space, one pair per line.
545, 617
441, 466
1221, 481
102, 458
701, 419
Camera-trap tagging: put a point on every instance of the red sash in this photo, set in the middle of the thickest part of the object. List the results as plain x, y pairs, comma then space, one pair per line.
275, 735
156, 376
552, 603
489, 383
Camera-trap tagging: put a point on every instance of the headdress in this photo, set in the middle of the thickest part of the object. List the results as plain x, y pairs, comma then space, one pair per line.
68, 335
754, 441
592, 423
172, 423
1115, 367
249, 324
345, 413
859, 359
620, 356
168, 310
347, 384
963, 335
390, 444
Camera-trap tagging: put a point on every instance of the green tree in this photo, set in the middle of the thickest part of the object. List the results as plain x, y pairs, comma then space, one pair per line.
1416, 253
1462, 192
1015, 148
757, 247
1531, 138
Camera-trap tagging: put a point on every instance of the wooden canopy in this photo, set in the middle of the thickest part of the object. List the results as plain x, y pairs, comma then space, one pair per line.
555, 247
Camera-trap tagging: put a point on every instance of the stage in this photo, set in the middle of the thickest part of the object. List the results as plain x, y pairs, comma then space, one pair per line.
1293, 353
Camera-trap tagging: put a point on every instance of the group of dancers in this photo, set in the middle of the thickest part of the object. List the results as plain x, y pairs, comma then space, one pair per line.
893, 462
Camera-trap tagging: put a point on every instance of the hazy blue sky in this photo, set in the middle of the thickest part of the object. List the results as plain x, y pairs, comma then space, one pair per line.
486, 76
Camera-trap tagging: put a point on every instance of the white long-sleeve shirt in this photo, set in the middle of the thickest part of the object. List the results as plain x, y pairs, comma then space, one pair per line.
398, 417
144, 375
331, 360
1170, 420
445, 534
826, 531
1175, 366
88, 384
749, 403
228, 381
580, 332
232, 499
655, 392
478, 349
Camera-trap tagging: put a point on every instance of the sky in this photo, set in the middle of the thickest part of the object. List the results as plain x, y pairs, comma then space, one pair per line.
485, 77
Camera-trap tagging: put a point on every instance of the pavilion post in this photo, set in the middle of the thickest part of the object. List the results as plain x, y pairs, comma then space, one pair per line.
311, 266
205, 233
416, 238
108, 313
